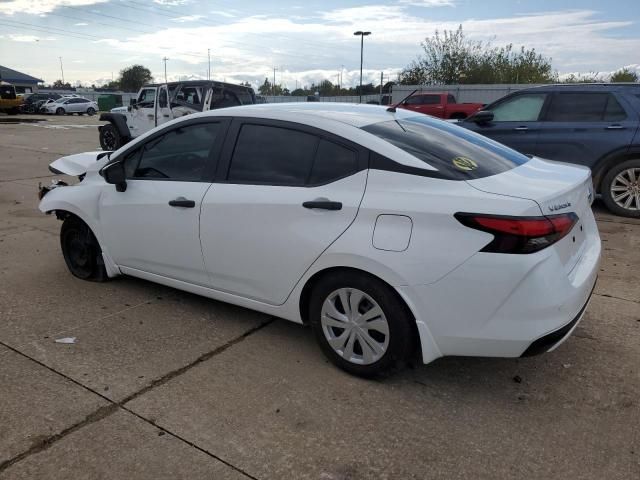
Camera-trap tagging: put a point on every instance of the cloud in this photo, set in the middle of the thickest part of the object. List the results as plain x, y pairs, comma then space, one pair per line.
171, 3
187, 18
429, 3
81, 24
28, 38
39, 7
223, 13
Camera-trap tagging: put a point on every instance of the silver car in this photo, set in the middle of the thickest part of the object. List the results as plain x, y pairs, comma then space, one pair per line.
71, 105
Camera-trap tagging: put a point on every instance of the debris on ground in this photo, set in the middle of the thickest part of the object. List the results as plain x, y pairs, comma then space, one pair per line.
66, 340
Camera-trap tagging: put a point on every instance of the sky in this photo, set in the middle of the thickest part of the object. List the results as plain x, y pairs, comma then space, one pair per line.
305, 40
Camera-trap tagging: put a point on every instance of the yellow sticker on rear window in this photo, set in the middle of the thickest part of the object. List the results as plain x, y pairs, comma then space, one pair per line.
464, 163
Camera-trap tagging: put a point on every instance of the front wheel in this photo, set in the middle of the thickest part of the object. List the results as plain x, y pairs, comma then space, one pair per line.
81, 250
60, 111
361, 324
110, 138
621, 189
91, 111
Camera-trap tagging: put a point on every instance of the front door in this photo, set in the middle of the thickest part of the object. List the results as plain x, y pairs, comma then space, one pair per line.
285, 194
582, 127
515, 122
163, 113
143, 113
153, 226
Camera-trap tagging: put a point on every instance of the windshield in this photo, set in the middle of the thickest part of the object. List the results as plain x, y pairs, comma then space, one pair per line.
457, 153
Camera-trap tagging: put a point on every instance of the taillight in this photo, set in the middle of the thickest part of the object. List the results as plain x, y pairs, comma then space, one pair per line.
519, 234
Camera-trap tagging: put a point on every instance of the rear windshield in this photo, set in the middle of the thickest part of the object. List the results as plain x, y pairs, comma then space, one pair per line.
457, 153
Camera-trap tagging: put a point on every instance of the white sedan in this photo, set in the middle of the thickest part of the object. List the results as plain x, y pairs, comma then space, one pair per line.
68, 105
393, 234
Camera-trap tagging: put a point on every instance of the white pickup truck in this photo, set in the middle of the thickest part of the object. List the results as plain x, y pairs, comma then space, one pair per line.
158, 103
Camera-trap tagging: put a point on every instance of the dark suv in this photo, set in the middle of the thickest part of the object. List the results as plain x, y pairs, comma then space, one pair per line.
595, 125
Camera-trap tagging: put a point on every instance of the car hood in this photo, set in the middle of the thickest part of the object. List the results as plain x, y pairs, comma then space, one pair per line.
76, 164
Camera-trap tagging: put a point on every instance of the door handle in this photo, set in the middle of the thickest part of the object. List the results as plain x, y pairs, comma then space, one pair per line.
323, 205
182, 202
149, 115
521, 129
615, 127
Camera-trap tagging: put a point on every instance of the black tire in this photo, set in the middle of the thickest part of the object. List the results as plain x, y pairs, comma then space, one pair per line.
14, 111
608, 181
110, 138
81, 250
60, 111
402, 339
91, 111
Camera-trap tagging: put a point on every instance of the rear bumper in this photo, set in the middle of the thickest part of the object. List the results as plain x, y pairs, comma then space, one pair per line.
495, 305
552, 340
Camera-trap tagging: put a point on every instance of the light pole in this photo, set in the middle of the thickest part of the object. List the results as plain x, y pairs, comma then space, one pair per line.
209, 70
61, 71
362, 35
165, 68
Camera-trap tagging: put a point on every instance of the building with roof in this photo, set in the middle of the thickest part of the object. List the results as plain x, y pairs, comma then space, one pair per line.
24, 83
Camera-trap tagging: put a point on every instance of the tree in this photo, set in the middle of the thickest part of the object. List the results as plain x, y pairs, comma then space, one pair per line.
624, 75
134, 77
592, 77
63, 86
267, 88
451, 58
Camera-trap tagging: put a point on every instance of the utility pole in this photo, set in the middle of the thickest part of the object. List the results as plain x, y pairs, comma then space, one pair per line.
209, 57
362, 35
61, 70
164, 59
341, 70
273, 87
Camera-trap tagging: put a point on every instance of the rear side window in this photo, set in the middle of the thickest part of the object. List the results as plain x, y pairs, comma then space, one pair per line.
457, 153
332, 162
272, 155
584, 107
614, 111
521, 108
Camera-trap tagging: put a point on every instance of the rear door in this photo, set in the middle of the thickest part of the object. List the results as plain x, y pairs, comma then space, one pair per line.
582, 127
515, 121
284, 193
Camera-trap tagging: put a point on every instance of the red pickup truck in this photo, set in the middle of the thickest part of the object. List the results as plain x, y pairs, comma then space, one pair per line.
441, 105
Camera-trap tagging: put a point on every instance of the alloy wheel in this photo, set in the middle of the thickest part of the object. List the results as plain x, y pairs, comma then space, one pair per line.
355, 326
625, 189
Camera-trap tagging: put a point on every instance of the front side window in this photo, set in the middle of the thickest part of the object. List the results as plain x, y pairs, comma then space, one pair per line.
521, 108
180, 154
272, 155
413, 100
147, 97
430, 99
163, 102
451, 99
457, 153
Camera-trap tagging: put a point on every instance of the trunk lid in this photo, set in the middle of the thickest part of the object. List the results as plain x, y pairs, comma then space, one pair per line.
557, 188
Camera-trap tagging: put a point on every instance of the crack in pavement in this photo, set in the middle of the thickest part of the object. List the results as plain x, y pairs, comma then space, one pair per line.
107, 410
606, 295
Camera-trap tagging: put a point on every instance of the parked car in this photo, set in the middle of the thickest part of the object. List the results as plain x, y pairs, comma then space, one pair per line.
391, 233
10, 102
441, 105
70, 105
595, 125
159, 103
35, 101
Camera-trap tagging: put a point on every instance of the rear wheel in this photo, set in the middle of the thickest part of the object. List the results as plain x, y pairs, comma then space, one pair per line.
110, 138
361, 324
81, 250
621, 189
60, 111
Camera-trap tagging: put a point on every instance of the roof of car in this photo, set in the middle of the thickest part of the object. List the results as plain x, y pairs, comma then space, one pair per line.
586, 86
357, 115
199, 83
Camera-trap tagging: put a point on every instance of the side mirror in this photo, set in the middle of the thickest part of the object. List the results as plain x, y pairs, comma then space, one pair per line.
114, 174
132, 101
483, 116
